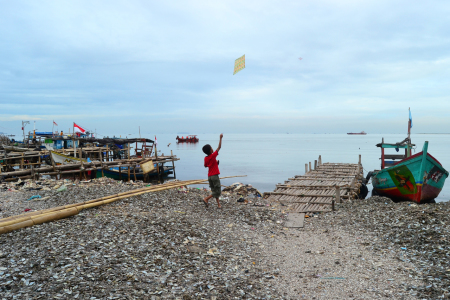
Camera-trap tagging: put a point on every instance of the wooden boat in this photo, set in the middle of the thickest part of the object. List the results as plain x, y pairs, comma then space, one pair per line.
115, 174
61, 159
187, 139
357, 133
418, 178
19, 149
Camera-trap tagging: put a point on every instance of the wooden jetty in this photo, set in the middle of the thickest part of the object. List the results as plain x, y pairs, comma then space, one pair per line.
320, 187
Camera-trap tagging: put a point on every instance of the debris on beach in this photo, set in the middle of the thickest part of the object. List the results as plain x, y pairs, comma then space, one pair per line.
417, 234
243, 189
159, 245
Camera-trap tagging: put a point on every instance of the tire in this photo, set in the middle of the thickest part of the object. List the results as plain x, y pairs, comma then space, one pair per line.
363, 191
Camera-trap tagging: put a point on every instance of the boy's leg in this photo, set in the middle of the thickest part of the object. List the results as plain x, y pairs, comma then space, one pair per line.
211, 185
207, 198
218, 203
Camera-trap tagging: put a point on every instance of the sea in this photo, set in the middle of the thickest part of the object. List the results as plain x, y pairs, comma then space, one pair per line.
269, 159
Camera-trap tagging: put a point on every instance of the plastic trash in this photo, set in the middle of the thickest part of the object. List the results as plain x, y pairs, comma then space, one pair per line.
241, 199
34, 197
27, 209
403, 248
62, 189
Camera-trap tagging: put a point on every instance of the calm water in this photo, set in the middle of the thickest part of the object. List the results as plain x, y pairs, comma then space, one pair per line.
268, 159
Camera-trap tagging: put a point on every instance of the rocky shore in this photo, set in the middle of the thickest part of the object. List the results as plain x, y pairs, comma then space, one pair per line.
167, 245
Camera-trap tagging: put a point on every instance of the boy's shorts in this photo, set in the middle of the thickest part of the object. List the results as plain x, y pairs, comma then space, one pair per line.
214, 184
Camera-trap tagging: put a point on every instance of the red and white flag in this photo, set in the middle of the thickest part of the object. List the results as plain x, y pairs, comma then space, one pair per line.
55, 123
156, 142
77, 128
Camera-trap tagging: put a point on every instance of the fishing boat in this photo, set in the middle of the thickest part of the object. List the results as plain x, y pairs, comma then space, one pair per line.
117, 174
419, 177
61, 159
187, 139
357, 133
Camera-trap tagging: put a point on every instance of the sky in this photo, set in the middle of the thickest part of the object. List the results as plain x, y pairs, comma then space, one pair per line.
167, 66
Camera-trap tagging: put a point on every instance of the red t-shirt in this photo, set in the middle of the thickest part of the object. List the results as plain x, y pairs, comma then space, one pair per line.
211, 163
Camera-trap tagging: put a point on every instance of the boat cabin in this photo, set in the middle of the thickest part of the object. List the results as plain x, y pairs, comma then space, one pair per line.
388, 160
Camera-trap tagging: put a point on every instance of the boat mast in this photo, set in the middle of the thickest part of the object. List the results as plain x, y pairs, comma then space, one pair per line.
408, 153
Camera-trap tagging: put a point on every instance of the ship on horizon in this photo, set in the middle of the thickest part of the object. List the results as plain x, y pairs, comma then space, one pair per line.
358, 133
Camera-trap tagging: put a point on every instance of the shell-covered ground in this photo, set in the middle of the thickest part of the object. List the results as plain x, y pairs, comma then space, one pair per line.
168, 245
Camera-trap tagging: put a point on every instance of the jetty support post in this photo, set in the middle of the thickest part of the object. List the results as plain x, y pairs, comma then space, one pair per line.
306, 168
129, 173
74, 147
320, 160
157, 165
310, 167
338, 194
332, 205
173, 164
315, 165
382, 154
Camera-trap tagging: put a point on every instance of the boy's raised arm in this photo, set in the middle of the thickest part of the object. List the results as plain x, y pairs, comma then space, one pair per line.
220, 142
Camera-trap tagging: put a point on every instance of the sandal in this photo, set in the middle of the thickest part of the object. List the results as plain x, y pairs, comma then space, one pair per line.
206, 203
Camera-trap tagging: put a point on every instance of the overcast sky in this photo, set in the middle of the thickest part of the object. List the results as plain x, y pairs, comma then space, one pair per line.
167, 66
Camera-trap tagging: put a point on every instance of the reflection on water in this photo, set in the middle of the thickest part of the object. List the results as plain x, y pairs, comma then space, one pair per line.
188, 146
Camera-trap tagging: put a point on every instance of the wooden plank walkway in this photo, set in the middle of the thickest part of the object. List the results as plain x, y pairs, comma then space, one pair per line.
320, 187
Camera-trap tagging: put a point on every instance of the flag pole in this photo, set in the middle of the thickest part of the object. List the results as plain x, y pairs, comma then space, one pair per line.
73, 139
53, 128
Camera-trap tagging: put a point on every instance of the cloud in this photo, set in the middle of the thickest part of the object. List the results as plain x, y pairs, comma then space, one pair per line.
168, 65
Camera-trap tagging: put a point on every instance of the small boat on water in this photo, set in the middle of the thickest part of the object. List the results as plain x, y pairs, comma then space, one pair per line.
419, 177
187, 139
357, 133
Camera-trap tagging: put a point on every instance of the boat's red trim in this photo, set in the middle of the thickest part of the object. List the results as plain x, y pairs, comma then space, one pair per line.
416, 155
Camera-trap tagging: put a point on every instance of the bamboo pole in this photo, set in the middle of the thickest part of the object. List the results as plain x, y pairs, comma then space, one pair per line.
39, 217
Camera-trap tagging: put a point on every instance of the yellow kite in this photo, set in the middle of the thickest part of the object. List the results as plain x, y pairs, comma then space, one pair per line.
239, 64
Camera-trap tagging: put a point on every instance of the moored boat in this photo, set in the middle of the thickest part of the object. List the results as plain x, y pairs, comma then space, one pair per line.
61, 159
114, 173
419, 177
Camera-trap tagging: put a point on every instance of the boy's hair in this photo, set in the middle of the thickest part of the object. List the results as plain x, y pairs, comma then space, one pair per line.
207, 149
